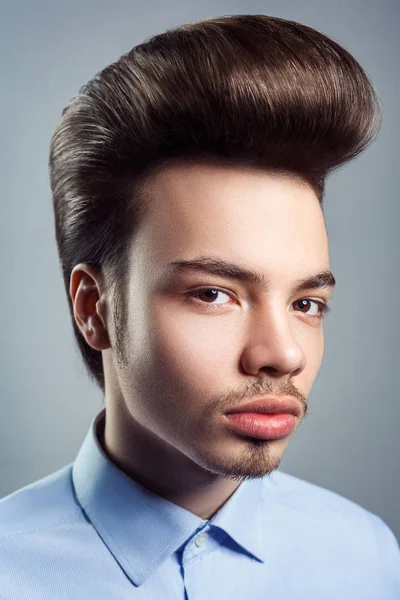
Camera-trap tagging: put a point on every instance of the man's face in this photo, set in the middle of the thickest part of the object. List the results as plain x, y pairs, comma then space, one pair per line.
189, 355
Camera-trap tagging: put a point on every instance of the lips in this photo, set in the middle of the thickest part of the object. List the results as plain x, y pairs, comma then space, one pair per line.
269, 405
261, 426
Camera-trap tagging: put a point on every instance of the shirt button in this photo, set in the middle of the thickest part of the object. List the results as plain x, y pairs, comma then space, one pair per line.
201, 540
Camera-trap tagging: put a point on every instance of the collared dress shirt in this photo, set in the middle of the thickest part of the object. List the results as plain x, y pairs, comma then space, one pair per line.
90, 532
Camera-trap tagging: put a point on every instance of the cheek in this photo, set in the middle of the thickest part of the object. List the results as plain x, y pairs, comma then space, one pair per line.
313, 348
196, 344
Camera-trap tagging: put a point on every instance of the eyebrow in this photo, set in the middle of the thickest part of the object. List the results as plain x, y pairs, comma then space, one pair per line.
220, 268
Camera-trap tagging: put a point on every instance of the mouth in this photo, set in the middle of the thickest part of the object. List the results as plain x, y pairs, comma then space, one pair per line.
266, 418
262, 426
269, 405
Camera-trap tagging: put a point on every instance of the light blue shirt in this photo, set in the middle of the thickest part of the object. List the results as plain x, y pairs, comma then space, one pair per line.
89, 532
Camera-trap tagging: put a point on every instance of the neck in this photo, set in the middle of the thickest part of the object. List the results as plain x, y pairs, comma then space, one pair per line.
160, 467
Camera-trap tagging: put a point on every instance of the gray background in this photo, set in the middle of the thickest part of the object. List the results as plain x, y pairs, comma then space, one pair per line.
350, 441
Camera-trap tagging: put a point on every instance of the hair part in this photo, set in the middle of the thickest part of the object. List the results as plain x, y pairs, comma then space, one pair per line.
252, 91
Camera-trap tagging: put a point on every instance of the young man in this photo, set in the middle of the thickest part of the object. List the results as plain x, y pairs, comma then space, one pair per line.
188, 182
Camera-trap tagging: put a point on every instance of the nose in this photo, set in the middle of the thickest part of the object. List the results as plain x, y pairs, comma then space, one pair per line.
270, 344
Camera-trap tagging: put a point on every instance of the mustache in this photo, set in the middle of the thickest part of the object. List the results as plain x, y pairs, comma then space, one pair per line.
261, 388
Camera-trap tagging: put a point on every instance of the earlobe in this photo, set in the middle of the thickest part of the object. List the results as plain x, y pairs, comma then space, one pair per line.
96, 334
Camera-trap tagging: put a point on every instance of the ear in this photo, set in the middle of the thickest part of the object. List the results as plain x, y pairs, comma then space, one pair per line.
86, 294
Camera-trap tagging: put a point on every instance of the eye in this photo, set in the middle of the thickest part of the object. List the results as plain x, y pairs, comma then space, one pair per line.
320, 308
208, 295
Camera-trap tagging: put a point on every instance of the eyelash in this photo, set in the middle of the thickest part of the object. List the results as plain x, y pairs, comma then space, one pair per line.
323, 306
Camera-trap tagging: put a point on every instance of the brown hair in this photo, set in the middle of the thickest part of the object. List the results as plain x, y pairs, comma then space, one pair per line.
248, 90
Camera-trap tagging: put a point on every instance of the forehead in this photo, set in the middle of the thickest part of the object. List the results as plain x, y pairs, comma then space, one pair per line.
239, 214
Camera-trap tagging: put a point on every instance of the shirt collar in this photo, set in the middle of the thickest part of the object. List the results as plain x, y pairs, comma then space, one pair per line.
141, 529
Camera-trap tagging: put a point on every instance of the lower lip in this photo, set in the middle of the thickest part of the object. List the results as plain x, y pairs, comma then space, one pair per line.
265, 427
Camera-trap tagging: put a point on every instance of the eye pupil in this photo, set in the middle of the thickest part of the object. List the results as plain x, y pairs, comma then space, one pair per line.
208, 292
303, 303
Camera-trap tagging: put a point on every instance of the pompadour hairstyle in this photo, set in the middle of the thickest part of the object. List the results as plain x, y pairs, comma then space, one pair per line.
247, 90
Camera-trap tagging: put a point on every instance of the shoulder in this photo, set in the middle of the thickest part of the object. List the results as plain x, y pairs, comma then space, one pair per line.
325, 529
316, 500
310, 497
45, 539
336, 515
47, 502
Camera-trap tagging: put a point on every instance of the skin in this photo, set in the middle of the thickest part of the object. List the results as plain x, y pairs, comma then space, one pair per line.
176, 364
